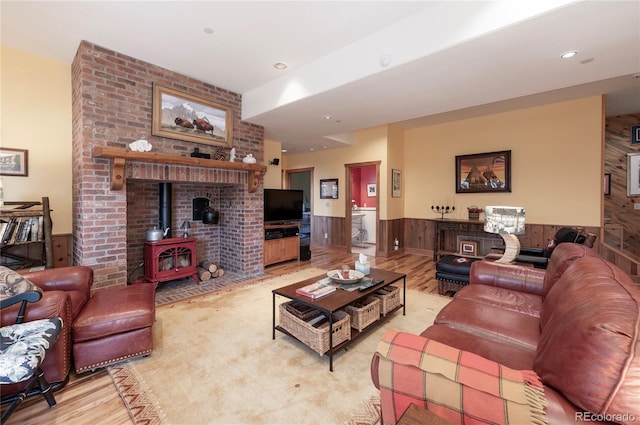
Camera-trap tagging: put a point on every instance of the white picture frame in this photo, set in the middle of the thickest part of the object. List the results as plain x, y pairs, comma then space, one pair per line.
633, 174
469, 248
371, 190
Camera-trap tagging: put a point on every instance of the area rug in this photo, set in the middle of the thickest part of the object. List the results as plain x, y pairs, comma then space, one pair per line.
215, 362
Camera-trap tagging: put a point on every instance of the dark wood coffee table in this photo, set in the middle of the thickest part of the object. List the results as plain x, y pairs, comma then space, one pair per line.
338, 300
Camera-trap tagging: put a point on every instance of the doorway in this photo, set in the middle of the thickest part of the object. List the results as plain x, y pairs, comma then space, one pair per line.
362, 207
301, 179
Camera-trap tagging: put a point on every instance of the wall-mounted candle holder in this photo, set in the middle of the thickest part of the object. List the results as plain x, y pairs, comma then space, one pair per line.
442, 209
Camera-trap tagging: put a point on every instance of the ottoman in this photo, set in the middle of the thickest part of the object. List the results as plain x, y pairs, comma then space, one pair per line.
452, 273
115, 325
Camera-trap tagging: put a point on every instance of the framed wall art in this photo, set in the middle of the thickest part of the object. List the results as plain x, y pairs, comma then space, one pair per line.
483, 172
635, 135
468, 248
371, 190
396, 183
182, 116
328, 188
633, 174
607, 183
14, 162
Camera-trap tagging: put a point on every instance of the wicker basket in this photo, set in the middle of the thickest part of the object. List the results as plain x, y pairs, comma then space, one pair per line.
363, 316
316, 338
389, 298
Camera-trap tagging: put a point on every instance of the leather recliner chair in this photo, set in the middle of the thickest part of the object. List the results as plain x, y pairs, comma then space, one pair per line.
66, 290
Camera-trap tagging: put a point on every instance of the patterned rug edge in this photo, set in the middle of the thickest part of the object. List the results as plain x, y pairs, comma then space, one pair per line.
369, 414
140, 406
142, 410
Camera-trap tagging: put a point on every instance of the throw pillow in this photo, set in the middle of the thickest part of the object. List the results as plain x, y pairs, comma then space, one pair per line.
13, 283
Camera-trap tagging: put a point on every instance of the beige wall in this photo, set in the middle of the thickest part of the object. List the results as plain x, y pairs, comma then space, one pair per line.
556, 162
369, 145
35, 94
273, 176
395, 155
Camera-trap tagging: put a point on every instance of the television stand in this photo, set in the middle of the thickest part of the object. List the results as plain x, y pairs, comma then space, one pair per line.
281, 243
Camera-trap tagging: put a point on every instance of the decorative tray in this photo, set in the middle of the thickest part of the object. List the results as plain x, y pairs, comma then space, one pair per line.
336, 276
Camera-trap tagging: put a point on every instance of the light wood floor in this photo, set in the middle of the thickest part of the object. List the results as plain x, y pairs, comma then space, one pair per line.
91, 398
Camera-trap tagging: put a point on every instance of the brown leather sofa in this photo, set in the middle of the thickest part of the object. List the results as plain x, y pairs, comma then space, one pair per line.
576, 324
66, 290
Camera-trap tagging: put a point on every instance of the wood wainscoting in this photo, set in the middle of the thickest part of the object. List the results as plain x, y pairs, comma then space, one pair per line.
419, 235
416, 235
627, 264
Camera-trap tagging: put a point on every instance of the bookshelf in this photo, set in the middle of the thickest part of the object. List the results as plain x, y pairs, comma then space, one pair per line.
25, 234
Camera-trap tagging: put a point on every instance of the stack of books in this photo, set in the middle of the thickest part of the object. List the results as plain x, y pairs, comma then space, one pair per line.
21, 229
316, 290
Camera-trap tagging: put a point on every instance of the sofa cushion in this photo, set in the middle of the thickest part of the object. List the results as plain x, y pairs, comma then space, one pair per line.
508, 299
116, 310
13, 283
561, 259
589, 348
513, 356
491, 322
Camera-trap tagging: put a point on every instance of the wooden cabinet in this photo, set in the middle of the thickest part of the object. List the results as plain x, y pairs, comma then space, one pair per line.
282, 243
25, 234
446, 232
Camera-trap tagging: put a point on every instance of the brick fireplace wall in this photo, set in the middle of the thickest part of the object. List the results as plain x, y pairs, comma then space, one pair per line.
112, 107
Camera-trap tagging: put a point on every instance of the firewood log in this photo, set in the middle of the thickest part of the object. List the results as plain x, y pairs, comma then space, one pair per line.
203, 274
218, 273
209, 265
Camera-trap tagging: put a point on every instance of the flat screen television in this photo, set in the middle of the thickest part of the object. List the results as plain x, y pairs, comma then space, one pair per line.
282, 205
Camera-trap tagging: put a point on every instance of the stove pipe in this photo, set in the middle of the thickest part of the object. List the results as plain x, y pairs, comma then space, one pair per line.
164, 206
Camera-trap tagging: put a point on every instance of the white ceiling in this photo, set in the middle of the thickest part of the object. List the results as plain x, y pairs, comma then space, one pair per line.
446, 59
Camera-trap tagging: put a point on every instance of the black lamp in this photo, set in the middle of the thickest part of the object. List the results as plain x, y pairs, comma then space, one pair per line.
274, 161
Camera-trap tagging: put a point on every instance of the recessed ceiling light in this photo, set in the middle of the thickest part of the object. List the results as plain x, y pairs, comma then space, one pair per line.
327, 117
311, 149
208, 30
570, 54
283, 150
280, 66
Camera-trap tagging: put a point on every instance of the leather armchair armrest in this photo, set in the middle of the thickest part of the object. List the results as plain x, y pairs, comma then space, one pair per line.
507, 276
74, 278
57, 362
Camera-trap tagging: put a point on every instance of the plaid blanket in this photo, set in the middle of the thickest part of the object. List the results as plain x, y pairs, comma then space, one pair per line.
459, 386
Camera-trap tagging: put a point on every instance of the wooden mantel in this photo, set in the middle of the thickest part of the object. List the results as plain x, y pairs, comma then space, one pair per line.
119, 159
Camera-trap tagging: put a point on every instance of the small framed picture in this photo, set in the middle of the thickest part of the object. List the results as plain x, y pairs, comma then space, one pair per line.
469, 248
371, 190
607, 183
14, 162
396, 183
635, 134
633, 174
329, 189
